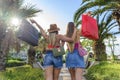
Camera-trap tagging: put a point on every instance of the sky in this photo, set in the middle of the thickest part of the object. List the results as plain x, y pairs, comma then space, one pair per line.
55, 11
59, 12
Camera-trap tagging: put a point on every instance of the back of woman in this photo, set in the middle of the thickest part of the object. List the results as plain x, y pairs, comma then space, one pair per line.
74, 62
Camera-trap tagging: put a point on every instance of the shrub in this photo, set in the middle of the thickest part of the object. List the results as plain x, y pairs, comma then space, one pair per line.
14, 63
104, 71
22, 73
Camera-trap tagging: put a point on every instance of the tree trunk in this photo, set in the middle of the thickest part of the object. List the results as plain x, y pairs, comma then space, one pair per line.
2, 61
31, 56
99, 49
2, 54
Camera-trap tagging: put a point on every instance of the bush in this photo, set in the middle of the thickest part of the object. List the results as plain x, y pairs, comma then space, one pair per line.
14, 63
104, 71
22, 73
19, 59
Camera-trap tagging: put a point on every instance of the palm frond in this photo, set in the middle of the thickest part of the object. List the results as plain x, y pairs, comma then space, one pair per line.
105, 5
85, 7
78, 23
84, 1
19, 3
108, 19
28, 11
115, 33
106, 36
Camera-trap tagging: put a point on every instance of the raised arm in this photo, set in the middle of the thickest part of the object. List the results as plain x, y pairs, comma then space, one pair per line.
74, 34
41, 29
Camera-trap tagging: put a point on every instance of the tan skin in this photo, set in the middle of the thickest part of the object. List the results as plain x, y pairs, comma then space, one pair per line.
76, 73
52, 73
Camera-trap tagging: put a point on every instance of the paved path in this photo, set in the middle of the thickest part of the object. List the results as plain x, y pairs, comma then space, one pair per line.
65, 75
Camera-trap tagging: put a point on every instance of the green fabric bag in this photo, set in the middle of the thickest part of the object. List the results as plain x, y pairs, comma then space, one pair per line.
58, 51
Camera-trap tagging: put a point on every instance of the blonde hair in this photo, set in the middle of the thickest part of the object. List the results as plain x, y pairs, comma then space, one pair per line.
52, 39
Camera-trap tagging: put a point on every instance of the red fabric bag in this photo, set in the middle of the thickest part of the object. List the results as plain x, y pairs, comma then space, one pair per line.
89, 27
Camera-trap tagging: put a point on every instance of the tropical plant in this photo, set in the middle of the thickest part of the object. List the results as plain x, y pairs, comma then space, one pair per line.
105, 25
104, 71
8, 10
25, 72
98, 7
41, 45
87, 44
31, 56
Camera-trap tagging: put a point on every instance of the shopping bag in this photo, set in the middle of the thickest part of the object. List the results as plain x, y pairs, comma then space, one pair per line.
28, 33
81, 50
89, 27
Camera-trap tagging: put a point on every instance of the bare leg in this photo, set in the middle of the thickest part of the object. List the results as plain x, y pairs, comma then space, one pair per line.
78, 73
49, 73
72, 73
56, 73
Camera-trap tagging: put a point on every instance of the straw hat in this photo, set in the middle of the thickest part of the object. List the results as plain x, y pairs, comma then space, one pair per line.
53, 27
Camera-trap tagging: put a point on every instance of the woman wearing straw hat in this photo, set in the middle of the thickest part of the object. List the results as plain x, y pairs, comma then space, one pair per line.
53, 64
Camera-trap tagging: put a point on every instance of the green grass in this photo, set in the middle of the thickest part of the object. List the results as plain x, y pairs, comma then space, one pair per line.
22, 73
104, 71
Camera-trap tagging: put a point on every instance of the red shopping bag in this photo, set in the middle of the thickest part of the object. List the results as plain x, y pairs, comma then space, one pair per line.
89, 27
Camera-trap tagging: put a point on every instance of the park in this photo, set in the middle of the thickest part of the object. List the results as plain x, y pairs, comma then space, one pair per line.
22, 46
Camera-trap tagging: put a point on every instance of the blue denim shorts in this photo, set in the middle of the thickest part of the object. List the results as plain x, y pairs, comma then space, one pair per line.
50, 60
74, 60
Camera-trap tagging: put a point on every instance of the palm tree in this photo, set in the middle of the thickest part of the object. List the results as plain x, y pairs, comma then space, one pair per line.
31, 55
9, 9
98, 7
105, 26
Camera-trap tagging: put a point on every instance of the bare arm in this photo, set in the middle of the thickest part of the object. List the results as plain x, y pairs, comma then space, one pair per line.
41, 29
65, 38
74, 34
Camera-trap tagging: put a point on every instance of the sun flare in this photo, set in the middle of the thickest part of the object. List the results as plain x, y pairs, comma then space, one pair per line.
15, 21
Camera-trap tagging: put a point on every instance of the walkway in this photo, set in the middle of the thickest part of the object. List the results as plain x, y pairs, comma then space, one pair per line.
65, 75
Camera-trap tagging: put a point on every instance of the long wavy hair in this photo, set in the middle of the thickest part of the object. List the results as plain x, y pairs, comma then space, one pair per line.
52, 38
70, 31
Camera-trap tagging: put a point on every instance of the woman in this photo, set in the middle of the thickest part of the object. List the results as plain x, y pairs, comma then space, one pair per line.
74, 61
53, 64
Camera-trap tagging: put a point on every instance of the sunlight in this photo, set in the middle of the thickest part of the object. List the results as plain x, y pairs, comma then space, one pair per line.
15, 21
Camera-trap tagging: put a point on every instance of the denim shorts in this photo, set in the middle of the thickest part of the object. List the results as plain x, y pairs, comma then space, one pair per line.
50, 60
74, 60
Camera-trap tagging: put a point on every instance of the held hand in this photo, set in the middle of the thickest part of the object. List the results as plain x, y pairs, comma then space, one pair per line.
32, 21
